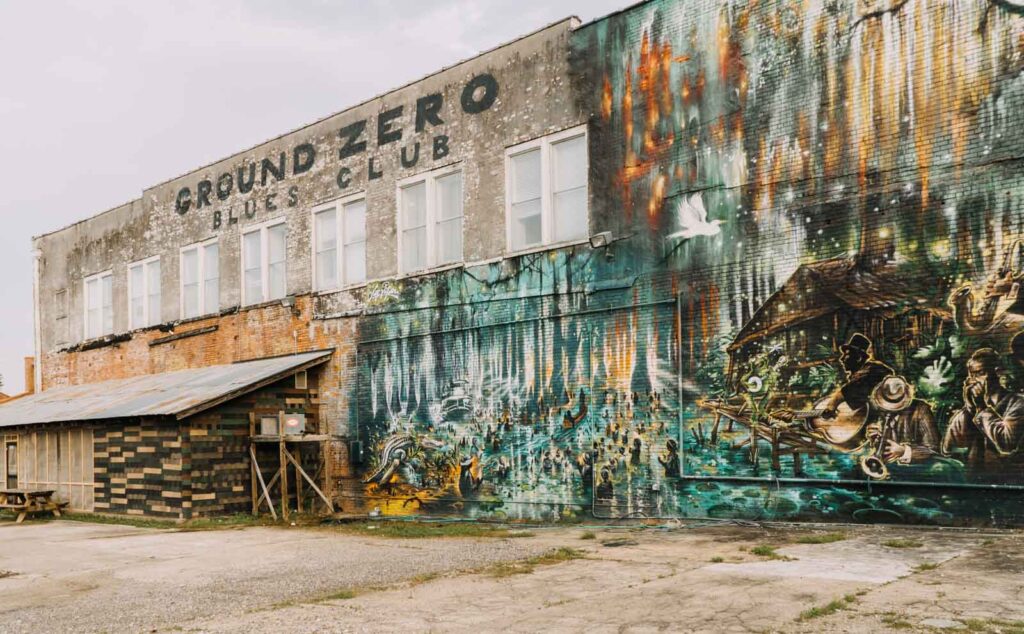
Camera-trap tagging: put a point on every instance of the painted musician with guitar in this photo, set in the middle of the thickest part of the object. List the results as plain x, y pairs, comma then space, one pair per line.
872, 406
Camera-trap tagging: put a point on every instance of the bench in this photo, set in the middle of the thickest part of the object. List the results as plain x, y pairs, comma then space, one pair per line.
26, 502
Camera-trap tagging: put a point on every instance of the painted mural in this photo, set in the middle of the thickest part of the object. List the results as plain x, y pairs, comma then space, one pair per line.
811, 307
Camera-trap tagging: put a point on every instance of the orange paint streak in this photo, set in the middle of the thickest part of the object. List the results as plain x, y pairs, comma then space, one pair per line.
606, 99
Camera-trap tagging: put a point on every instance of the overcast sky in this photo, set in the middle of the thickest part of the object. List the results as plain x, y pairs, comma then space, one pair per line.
101, 99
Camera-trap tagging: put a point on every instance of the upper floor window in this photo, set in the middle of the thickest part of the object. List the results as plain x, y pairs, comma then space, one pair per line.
99, 305
339, 244
430, 220
200, 279
547, 190
264, 273
144, 293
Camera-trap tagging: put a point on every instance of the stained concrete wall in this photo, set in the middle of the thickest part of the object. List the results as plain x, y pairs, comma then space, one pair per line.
533, 98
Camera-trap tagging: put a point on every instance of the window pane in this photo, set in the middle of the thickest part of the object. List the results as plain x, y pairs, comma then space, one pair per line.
251, 257
526, 183
326, 230
153, 291
275, 243
526, 227
449, 241
326, 249
355, 222
190, 300
414, 249
326, 270
414, 206
355, 263
355, 242
189, 266
570, 158
136, 281
137, 287
571, 214
108, 304
92, 306
276, 261
211, 262
211, 278
449, 196
190, 283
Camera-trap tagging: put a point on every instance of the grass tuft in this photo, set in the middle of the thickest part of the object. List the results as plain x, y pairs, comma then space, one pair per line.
768, 552
717, 560
526, 566
588, 535
829, 608
341, 595
902, 543
404, 529
994, 626
896, 622
926, 566
821, 538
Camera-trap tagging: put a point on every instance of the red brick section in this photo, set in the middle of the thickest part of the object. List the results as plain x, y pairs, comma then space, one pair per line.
248, 334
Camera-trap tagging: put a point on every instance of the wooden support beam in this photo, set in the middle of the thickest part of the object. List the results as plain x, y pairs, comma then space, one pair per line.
270, 487
282, 452
298, 483
259, 476
252, 468
312, 484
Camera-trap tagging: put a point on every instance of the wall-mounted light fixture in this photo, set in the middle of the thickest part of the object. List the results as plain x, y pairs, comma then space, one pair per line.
599, 240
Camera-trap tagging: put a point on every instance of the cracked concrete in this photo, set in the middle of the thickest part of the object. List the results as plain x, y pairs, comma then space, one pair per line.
695, 578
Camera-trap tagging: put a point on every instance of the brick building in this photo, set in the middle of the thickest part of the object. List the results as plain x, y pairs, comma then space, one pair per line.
537, 269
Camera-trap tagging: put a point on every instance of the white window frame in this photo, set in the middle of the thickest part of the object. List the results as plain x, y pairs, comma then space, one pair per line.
200, 248
430, 178
263, 228
547, 193
338, 205
147, 319
85, 304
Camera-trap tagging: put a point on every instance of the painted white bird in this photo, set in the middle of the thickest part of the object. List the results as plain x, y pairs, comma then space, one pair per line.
693, 219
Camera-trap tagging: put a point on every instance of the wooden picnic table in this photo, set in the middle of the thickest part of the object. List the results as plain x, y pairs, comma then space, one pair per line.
25, 502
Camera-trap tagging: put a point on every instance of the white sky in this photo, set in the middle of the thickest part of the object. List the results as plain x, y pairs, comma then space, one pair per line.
101, 99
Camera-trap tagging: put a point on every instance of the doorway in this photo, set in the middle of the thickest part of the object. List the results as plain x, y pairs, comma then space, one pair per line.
11, 464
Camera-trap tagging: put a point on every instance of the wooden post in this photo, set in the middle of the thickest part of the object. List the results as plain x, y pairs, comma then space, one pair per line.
252, 467
259, 477
298, 480
282, 452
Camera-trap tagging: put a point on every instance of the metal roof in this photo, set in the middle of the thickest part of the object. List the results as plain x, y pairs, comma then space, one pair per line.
180, 393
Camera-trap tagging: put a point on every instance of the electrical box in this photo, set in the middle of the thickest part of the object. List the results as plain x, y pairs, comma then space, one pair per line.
270, 425
293, 424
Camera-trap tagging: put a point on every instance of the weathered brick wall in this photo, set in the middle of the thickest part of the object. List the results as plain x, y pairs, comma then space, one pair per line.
141, 469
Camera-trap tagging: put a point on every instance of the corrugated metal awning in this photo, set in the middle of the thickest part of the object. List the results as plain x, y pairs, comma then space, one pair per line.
179, 394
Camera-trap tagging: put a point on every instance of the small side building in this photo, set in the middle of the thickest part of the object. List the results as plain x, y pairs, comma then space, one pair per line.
175, 445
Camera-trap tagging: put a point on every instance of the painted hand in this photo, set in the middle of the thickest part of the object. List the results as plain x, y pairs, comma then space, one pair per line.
936, 377
893, 451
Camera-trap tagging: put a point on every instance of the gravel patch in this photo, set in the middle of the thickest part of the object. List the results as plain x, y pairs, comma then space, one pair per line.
145, 580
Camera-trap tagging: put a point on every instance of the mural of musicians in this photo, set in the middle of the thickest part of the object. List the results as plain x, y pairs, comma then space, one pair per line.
989, 428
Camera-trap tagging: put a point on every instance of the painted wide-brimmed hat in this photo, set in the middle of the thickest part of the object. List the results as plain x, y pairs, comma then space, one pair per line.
857, 342
893, 394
